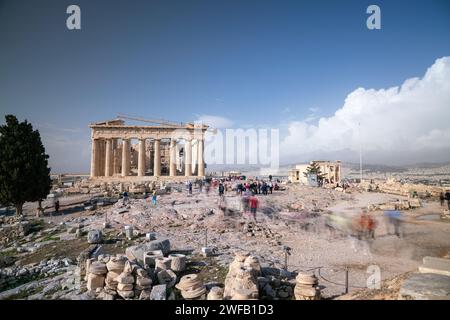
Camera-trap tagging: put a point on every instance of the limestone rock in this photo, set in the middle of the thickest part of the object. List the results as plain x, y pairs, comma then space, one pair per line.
137, 251
97, 267
167, 277
178, 262
162, 264
158, 292
124, 287
145, 295
242, 277
143, 282
191, 286
243, 294
426, 286
306, 287
95, 281
125, 278
116, 263
94, 236
435, 265
150, 256
253, 262
142, 273
126, 294
104, 258
216, 293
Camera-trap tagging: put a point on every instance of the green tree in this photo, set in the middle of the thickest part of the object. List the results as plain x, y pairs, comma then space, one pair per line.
314, 168
24, 171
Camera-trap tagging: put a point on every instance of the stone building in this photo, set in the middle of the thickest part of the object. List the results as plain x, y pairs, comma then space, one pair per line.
144, 153
330, 170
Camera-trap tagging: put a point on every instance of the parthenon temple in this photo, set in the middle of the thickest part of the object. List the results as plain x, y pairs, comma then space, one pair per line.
149, 152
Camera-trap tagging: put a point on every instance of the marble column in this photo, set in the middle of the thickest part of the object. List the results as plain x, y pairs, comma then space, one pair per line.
108, 158
125, 157
116, 158
141, 158
101, 158
173, 157
201, 163
188, 158
157, 159
94, 156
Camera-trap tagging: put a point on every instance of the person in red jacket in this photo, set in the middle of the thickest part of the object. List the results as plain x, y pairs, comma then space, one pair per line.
253, 206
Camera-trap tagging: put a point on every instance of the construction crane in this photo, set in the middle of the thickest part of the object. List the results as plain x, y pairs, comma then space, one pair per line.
172, 124
158, 121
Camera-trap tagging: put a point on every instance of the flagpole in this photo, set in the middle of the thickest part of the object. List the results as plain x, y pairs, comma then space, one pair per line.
360, 153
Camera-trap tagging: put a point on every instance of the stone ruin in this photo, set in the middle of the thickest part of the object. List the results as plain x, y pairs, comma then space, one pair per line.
241, 282
109, 277
191, 287
306, 287
397, 205
392, 186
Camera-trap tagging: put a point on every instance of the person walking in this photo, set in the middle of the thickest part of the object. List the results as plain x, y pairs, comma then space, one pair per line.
394, 217
57, 206
371, 224
154, 197
447, 197
245, 202
190, 187
221, 189
253, 206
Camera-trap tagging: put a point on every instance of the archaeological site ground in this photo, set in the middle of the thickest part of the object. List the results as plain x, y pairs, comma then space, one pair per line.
210, 158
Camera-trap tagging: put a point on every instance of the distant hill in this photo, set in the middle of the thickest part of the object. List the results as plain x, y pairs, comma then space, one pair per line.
346, 167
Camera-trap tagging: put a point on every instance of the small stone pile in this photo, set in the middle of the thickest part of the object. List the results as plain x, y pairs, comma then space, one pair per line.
143, 283
115, 266
306, 287
13, 228
251, 229
191, 287
96, 274
241, 281
112, 276
132, 275
125, 283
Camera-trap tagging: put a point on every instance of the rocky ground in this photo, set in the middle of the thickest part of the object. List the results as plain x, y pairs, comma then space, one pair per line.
38, 258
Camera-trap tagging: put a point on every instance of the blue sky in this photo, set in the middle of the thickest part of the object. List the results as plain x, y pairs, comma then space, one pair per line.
257, 63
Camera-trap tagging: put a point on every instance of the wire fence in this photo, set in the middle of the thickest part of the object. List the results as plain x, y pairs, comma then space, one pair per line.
346, 274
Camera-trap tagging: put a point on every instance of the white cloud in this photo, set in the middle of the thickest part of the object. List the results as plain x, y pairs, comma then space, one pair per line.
407, 123
215, 121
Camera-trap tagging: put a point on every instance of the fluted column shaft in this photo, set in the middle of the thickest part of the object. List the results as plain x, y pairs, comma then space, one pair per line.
173, 154
108, 158
125, 157
201, 163
141, 158
94, 156
188, 158
157, 159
